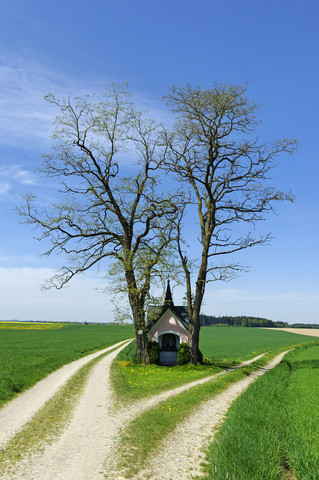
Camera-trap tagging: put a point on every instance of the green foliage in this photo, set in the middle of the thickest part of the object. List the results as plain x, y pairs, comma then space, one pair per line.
154, 352
26, 356
272, 430
183, 354
304, 325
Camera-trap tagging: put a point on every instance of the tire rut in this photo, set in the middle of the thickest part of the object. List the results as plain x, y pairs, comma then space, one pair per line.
85, 450
201, 428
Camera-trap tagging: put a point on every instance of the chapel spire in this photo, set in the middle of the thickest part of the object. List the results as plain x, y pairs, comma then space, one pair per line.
168, 302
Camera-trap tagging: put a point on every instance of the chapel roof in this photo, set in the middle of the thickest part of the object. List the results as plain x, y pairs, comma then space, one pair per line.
181, 311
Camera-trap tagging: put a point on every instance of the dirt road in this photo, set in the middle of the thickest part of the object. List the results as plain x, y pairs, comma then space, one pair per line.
85, 450
200, 427
22, 408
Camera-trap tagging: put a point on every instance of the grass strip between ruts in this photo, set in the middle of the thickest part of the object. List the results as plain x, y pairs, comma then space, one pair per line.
49, 421
132, 381
145, 434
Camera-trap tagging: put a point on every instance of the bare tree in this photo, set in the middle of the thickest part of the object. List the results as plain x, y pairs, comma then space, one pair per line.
105, 157
213, 152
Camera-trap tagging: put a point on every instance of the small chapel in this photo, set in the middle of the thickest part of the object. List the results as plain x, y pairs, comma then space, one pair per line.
169, 329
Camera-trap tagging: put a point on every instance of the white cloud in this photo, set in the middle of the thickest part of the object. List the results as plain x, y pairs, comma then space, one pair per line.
17, 173
26, 118
4, 187
24, 177
12, 176
22, 298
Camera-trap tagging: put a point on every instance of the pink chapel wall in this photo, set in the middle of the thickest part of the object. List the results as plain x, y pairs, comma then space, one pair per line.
169, 324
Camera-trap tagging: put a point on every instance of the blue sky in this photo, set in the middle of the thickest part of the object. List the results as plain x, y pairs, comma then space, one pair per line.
76, 47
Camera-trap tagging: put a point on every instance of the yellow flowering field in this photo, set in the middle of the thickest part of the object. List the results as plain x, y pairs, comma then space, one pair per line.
29, 326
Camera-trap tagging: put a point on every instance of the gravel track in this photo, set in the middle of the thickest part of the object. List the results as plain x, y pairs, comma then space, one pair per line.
180, 458
80, 451
22, 408
85, 450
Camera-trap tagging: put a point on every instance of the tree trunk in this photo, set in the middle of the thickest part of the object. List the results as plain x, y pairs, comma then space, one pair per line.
138, 313
141, 336
194, 309
142, 346
194, 327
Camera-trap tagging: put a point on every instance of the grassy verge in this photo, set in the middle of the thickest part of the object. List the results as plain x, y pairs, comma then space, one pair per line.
222, 348
144, 435
27, 356
302, 414
272, 430
132, 381
49, 422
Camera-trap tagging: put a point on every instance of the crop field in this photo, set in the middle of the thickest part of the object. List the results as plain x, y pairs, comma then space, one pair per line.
30, 351
221, 347
272, 430
29, 354
270, 433
235, 344
29, 326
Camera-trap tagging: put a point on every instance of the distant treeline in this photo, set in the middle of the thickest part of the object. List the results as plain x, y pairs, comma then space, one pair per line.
304, 325
207, 320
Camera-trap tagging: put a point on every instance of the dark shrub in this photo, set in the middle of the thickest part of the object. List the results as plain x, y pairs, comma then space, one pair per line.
154, 352
183, 355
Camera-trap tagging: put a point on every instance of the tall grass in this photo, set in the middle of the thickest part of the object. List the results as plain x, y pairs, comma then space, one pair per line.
272, 430
26, 356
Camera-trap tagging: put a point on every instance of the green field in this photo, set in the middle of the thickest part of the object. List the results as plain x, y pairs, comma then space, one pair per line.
272, 430
221, 347
28, 352
27, 355
224, 347
235, 344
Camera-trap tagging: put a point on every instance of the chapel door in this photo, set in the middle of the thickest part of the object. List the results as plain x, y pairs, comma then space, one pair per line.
169, 342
